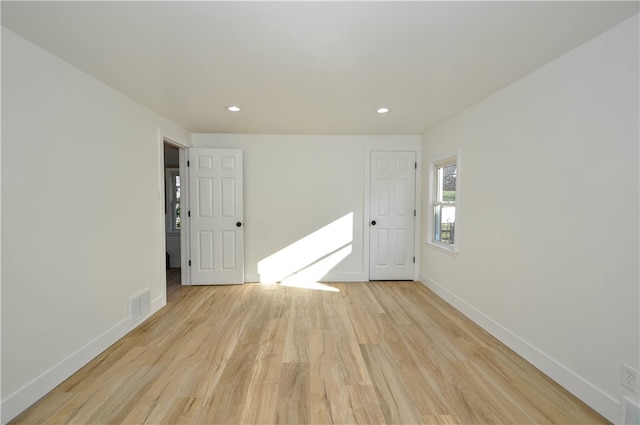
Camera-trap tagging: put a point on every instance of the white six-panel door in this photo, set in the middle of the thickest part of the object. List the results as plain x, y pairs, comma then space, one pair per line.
391, 215
216, 216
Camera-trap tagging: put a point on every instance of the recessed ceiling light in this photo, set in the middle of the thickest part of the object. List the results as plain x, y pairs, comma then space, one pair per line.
233, 109
383, 110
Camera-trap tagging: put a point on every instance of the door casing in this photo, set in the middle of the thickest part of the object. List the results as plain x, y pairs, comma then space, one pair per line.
182, 145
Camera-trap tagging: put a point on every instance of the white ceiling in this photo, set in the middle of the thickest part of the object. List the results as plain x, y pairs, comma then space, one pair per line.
310, 67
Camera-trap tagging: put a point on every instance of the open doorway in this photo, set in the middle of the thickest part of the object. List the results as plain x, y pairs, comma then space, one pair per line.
173, 218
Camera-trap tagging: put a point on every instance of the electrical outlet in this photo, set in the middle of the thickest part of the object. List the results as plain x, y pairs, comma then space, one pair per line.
629, 378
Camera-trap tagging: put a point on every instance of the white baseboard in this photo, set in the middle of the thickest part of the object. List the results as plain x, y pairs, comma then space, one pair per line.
346, 277
156, 304
252, 277
20, 400
597, 399
331, 277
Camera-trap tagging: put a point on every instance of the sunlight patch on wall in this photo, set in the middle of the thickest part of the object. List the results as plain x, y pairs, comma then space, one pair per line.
312, 257
310, 276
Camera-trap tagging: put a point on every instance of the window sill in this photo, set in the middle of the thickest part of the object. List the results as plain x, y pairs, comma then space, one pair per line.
447, 249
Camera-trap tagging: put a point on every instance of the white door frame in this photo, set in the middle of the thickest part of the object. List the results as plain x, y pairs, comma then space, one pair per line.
182, 145
185, 229
367, 202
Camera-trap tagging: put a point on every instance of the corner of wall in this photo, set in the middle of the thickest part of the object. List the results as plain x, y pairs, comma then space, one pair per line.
14, 404
578, 386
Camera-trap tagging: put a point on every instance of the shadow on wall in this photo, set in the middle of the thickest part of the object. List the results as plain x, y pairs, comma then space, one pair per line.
308, 260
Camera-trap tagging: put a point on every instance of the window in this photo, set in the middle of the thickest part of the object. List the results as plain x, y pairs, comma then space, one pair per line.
173, 199
444, 200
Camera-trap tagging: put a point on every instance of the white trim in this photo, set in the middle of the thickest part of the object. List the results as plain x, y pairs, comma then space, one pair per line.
345, 277
330, 277
446, 160
366, 217
182, 145
434, 162
156, 304
160, 198
443, 247
252, 277
367, 195
185, 235
174, 140
594, 397
417, 226
21, 399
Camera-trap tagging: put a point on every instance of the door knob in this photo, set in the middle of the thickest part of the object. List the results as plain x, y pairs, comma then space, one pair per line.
238, 224
373, 222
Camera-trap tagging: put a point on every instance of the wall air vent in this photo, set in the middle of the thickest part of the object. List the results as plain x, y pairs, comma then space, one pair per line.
630, 412
139, 306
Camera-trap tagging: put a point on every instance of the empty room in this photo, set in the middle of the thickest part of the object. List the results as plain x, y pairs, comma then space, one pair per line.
359, 212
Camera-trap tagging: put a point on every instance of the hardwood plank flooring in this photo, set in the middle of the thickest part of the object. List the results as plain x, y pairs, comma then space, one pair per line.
372, 353
173, 280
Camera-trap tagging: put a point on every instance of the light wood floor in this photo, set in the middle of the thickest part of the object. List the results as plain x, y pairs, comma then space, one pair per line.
173, 281
373, 353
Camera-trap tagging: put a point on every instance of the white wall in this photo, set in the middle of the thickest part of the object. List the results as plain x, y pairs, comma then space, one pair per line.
563, 294
296, 185
82, 225
548, 221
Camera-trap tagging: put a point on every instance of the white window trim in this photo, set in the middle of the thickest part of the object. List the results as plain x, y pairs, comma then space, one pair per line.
434, 162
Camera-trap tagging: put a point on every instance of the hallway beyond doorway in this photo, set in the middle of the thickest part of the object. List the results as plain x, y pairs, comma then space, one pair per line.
173, 281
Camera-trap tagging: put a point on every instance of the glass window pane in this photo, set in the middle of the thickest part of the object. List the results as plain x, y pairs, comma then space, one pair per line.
449, 174
437, 222
445, 223
176, 201
177, 215
444, 204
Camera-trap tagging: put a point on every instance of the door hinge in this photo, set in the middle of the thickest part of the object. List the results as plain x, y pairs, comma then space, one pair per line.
188, 213
415, 165
414, 260
189, 263
414, 213
188, 164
